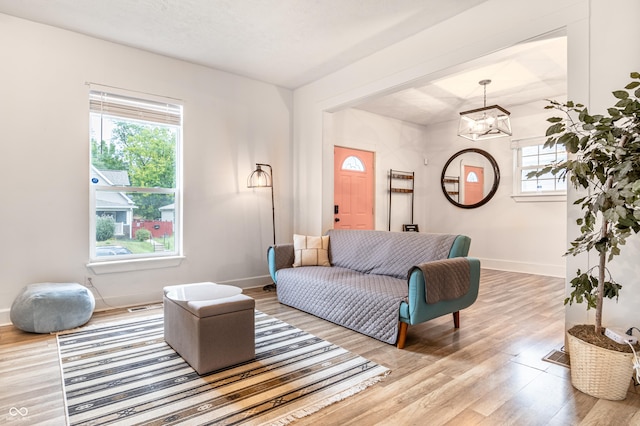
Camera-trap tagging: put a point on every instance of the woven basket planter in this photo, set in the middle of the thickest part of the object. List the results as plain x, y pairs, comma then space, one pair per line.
599, 372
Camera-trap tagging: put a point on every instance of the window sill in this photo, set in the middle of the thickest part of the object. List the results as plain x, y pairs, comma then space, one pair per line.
536, 198
134, 264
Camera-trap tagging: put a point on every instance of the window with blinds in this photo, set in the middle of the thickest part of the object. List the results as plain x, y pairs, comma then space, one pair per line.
134, 177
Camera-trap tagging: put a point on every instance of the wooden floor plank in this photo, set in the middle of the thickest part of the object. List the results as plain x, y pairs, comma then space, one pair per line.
488, 372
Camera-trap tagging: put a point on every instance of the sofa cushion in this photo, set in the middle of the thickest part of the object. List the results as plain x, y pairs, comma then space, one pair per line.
310, 251
386, 253
362, 302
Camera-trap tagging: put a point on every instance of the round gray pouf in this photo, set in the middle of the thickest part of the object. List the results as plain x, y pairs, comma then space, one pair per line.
48, 307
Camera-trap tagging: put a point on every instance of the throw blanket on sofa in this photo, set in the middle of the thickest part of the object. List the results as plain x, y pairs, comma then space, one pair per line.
373, 252
446, 279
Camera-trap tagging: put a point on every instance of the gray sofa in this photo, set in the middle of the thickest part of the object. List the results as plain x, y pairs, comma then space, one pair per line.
380, 282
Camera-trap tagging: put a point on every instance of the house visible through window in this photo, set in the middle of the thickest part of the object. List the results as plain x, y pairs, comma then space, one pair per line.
135, 203
531, 155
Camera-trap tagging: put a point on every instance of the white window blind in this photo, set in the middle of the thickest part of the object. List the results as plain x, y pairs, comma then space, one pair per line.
127, 107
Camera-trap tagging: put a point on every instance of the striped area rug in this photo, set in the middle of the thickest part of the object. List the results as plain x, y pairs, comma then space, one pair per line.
126, 374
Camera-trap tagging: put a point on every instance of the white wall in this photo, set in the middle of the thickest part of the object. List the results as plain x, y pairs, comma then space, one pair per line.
600, 64
506, 235
398, 145
230, 123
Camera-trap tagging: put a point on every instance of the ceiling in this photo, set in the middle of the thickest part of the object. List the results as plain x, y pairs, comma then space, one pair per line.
522, 74
291, 43
288, 43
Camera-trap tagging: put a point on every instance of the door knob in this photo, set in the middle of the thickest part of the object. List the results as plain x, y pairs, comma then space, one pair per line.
337, 219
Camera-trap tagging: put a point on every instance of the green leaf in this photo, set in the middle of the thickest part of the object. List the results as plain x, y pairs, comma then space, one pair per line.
626, 223
623, 103
585, 117
568, 139
554, 119
635, 74
556, 128
544, 171
621, 94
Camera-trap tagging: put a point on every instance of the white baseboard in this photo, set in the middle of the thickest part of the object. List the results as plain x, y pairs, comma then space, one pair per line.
548, 270
5, 319
149, 297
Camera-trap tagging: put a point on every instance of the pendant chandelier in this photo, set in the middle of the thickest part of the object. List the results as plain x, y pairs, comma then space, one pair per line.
484, 123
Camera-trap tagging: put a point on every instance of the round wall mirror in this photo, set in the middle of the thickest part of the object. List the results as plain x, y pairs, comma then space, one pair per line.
470, 178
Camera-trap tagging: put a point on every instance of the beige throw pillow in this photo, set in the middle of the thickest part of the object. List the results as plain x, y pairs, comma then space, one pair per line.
310, 251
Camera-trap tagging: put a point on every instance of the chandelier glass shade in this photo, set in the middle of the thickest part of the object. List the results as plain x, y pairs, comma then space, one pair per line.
485, 123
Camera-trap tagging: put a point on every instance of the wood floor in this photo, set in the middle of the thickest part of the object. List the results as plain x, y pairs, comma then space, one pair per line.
489, 372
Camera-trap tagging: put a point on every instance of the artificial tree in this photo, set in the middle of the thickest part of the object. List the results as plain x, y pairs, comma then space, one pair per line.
605, 162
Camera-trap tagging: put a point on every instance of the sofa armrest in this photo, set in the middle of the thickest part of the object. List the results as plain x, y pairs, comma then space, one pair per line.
279, 257
416, 310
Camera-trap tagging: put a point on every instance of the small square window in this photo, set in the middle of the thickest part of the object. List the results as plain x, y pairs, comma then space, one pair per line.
530, 156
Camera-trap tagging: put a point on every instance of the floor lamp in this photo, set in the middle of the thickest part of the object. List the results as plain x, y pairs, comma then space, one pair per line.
262, 179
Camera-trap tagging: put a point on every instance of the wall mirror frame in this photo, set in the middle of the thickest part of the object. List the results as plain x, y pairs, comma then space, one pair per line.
452, 181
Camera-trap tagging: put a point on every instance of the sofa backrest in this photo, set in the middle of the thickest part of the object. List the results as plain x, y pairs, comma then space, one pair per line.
391, 253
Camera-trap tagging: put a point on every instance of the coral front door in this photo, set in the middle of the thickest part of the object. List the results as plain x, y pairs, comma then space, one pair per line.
473, 185
353, 177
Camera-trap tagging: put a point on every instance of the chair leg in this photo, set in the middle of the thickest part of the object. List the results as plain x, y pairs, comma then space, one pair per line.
456, 319
402, 334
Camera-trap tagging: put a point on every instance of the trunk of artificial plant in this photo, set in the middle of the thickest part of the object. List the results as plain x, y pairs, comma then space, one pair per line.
601, 276
603, 254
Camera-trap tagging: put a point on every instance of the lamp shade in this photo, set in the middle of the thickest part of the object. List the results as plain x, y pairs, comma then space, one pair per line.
485, 123
259, 178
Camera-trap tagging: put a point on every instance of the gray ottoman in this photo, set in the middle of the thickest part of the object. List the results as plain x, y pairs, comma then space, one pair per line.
48, 307
211, 326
